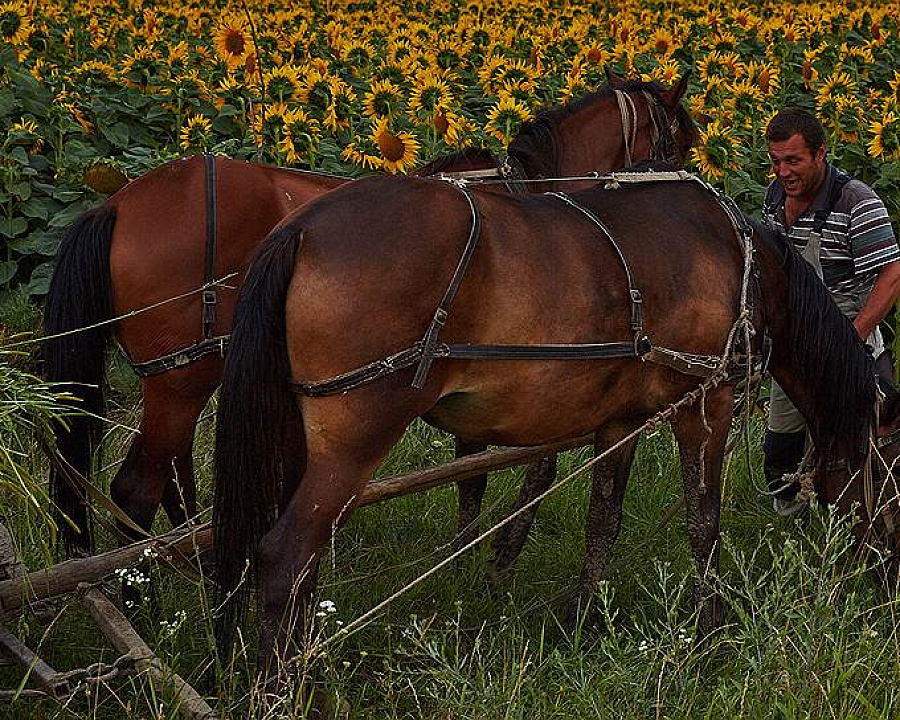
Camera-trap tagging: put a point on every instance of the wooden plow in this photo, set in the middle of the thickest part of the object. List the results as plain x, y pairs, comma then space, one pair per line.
23, 590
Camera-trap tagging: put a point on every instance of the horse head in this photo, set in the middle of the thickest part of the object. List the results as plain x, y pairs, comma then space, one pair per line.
622, 124
870, 489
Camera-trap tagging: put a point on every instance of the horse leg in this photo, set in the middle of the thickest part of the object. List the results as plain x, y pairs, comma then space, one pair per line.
159, 467
510, 539
342, 454
701, 432
604, 516
288, 556
471, 495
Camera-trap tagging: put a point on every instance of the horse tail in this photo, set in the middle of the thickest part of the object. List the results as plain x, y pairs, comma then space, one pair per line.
80, 296
257, 428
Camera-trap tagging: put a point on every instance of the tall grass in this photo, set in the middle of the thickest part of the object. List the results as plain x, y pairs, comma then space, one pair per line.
808, 632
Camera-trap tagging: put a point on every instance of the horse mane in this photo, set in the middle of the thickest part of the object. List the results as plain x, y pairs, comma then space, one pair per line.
476, 157
536, 146
828, 352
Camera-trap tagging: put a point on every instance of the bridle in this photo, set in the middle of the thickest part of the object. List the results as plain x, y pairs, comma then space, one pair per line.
662, 128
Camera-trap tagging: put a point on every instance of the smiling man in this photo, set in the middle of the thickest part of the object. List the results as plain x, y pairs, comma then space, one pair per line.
842, 228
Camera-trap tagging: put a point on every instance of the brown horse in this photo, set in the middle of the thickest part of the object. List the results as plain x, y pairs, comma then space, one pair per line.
181, 226
391, 299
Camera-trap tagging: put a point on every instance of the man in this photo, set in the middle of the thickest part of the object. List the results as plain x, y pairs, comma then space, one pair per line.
842, 229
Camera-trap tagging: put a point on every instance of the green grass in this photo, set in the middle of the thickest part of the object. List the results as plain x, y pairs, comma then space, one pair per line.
808, 633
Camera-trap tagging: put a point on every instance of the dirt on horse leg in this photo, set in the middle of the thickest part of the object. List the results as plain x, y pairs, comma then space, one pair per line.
510, 539
288, 557
471, 496
701, 432
604, 516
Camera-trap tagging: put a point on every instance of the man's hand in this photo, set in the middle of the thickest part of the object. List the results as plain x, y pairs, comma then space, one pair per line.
880, 301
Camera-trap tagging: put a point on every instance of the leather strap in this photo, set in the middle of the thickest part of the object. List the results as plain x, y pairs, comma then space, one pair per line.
210, 297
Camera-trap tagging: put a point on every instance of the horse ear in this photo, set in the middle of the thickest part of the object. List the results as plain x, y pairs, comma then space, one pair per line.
673, 95
613, 78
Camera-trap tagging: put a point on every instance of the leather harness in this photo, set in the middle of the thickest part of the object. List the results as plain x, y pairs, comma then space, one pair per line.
423, 352
210, 344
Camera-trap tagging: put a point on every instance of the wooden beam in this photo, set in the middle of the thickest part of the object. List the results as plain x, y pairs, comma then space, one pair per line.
182, 544
46, 675
125, 639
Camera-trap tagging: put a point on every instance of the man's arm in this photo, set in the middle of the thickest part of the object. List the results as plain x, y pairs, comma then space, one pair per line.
880, 301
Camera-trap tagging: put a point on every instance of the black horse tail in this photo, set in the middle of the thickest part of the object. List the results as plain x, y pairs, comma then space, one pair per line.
80, 297
259, 451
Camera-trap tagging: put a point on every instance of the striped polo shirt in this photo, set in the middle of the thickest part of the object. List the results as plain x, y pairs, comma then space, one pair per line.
857, 238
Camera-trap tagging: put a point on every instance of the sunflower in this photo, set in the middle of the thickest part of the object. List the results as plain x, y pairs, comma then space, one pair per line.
885, 142
763, 75
189, 85
666, 72
449, 55
719, 65
662, 42
743, 99
301, 137
315, 88
142, 69
505, 117
105, 176
383, 99
196, 134
269, 128
716, 152
391, 72
744, 19
842, 115
15, 27
838, 84
231, 92
93, 72
357, 54
342, 107
232, 41
429, 93
454, 128
398, 150
282, 83
362, 152
575, 85
490, 73
25, 134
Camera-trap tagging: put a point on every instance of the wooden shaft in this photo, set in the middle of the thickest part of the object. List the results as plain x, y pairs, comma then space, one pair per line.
46, 675
124, 638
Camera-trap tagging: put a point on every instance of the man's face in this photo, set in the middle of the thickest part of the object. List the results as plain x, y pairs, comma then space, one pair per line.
799, 169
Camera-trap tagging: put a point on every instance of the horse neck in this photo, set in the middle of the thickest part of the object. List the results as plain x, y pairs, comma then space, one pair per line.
816, 358
590, 141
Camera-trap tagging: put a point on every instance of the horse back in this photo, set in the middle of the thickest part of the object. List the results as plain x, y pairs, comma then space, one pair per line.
160, 243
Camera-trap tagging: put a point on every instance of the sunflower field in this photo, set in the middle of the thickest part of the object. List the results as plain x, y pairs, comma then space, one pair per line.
96, 92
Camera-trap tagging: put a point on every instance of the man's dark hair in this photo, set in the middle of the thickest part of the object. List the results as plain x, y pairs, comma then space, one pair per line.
792, 121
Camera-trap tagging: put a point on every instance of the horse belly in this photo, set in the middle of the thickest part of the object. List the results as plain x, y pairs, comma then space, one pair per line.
532, 402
